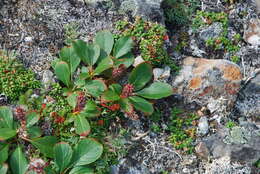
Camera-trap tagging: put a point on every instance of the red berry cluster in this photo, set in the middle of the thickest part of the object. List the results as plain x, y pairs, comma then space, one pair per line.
81, 102
127, 91
38, 165
117, 72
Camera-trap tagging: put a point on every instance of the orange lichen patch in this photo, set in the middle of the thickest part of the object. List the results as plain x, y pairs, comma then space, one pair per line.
206, 90
231, 72
232, 88
195, 83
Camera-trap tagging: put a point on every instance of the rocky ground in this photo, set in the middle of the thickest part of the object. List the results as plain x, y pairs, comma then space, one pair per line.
208, 83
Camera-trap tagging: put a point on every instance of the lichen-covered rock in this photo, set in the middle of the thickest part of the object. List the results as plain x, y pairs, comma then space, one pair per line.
239, 144
252, 32
147, 9
203, 126
211, 83
248, 103
212, 31
224, 166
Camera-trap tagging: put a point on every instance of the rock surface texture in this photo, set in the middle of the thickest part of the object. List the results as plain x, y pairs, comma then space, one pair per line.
211, 83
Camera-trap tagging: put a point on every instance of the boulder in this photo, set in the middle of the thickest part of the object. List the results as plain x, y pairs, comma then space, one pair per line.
210, 83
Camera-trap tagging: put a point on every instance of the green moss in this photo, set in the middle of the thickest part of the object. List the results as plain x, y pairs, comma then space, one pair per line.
149, 38
222, 42
178, 12
230, 124
14, 78
182, 130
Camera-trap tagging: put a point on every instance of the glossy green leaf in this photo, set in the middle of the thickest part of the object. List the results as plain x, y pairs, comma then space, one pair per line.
68, 55
156, 90
95, 87
123, 46
141, 75
3, 168
81, 125
87, 151
91, 109
105, 40
81, 170
54, 62
18, 162
116, 88
103, 65
88, 53
45, 145
110, 95
126, 60
62, 155
34, 132
141, 104
126, 105
72, 100
63, 72
6, 117
3, 153
6, 133
31, 119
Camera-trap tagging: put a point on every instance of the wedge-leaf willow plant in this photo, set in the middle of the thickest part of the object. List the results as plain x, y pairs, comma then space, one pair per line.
13, 132
103, 54
134, 94
12, 151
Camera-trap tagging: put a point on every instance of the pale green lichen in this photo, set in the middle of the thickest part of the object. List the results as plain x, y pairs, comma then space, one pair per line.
237, 135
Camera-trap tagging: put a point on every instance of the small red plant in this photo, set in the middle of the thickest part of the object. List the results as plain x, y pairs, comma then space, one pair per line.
127, 91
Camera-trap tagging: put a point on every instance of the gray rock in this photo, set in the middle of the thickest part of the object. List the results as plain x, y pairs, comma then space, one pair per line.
225, 166
47, 78
203, 126
147, 9
161, 74
213, 31
212, 83
202, 150
252, 32
248, 103
240, 145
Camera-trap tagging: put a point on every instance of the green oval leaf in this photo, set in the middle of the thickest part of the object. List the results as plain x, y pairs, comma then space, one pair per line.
6, 133
63, 72
68, 55
34, 132
110, 95
81, 170
62, 155
103, 65
31, 119
105, 40
123, 46
6, 117
141, 75
156, 90
3, 153
3, 168
141, 104
82, 125
87, 151
88, 53
45, 145
90, 109
18, 161
95, 87
72, 100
